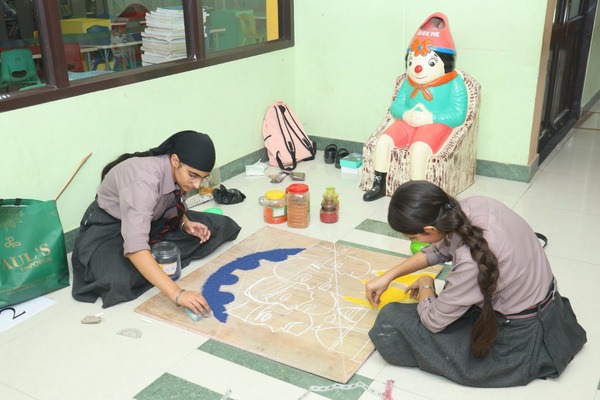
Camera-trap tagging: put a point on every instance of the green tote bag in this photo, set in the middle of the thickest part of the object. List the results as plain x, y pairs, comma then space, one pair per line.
33, 258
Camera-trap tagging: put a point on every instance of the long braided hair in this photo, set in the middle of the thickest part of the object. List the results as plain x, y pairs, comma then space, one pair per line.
417, 204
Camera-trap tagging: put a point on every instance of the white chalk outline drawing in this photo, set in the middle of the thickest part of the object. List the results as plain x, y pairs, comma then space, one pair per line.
301, 289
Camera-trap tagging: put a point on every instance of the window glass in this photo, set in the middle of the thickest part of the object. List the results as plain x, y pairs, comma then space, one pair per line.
117, 35
21, 65
110, 43
231, 24
574, 9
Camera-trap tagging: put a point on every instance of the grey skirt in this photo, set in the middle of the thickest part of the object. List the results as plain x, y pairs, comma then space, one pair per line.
540, 346
101, 270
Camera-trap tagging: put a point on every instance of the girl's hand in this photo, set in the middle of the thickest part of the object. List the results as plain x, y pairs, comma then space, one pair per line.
197, 229
413, 290
375, 288
195, 302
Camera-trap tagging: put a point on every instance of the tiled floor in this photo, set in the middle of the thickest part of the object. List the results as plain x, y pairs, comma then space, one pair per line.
53, 356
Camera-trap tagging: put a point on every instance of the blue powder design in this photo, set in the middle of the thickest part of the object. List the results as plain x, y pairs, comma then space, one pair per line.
224, 276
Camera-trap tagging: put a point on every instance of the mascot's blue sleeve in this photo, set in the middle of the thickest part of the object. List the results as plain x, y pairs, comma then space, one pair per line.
448, 106
401, 103
453, 110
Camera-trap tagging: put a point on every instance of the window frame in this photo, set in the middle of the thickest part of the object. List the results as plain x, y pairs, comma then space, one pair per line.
58, 86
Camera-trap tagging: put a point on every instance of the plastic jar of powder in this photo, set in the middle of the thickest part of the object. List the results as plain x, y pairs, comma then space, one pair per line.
298, 205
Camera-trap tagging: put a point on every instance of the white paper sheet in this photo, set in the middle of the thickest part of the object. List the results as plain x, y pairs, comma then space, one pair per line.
13, 315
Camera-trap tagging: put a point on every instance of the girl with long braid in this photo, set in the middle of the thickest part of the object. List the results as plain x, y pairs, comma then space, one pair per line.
499, 320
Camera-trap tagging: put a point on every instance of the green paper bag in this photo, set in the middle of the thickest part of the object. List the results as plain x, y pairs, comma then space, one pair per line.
33, 258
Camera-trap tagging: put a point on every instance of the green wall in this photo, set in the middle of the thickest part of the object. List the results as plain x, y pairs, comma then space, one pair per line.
42, 145
591, 87
338, 78
347, 63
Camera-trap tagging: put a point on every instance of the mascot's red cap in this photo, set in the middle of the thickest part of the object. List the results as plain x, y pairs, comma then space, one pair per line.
433, 35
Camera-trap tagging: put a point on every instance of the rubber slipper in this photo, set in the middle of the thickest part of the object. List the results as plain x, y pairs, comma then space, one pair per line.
330, 152
340, 154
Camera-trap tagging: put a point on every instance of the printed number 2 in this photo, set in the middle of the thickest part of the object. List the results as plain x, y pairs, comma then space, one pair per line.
15, 316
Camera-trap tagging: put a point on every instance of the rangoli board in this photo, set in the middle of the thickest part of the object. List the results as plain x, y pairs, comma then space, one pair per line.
288, 297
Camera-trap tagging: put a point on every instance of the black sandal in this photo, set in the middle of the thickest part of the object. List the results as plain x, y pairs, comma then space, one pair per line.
340, 154
330, 152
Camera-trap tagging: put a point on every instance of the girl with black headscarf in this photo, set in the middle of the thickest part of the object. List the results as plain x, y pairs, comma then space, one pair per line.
138, 203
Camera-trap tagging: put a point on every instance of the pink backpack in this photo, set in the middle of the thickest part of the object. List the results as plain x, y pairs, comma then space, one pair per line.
284, 137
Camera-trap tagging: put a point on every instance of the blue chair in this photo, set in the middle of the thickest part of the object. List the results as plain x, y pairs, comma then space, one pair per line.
18, 68
100, 55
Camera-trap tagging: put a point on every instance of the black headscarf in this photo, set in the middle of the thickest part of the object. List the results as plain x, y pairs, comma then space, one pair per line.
193, 148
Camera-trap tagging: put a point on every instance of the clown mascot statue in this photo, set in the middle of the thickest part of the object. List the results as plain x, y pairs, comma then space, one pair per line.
429, 104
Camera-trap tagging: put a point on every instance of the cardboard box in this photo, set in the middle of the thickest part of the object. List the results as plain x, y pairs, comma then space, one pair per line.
80, 25
349, 170
352, 160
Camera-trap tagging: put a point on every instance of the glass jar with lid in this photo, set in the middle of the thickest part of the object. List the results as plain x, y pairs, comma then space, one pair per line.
168, 258
274, 206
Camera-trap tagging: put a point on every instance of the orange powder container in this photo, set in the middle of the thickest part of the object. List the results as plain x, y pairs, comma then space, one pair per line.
274, 207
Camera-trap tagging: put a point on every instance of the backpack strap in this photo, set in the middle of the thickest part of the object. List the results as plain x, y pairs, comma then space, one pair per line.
289, 144
308, 144
543, 238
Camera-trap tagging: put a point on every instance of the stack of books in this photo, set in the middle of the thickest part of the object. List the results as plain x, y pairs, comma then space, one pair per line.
352, 163
164, 37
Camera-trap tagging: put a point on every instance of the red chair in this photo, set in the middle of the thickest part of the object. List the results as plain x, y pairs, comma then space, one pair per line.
73, 57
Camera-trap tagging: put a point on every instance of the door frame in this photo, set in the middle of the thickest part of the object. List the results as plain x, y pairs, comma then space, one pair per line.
544, 146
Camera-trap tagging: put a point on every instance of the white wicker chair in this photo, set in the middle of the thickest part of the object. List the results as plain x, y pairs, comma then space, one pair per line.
452, 167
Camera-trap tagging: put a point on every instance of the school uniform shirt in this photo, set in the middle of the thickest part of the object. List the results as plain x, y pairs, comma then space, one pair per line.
138, 191
524, 271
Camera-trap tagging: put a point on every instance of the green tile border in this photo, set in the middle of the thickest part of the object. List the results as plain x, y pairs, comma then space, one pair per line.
282, 372
520, 173
170, 387
370, 248
379, 227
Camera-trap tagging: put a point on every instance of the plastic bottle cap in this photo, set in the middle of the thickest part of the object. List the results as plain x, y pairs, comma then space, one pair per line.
275, 194
297, 188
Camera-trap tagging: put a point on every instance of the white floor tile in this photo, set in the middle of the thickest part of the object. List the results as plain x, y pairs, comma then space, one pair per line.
508, 192
570, 234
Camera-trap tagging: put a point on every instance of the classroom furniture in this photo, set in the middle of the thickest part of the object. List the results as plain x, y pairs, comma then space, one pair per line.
81, 25
248, 24
73, 57
18, 68
452, 167
100, 57
232, 36
120, 47
123, 49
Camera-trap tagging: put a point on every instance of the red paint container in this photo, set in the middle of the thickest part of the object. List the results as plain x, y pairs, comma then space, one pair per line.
330, 206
